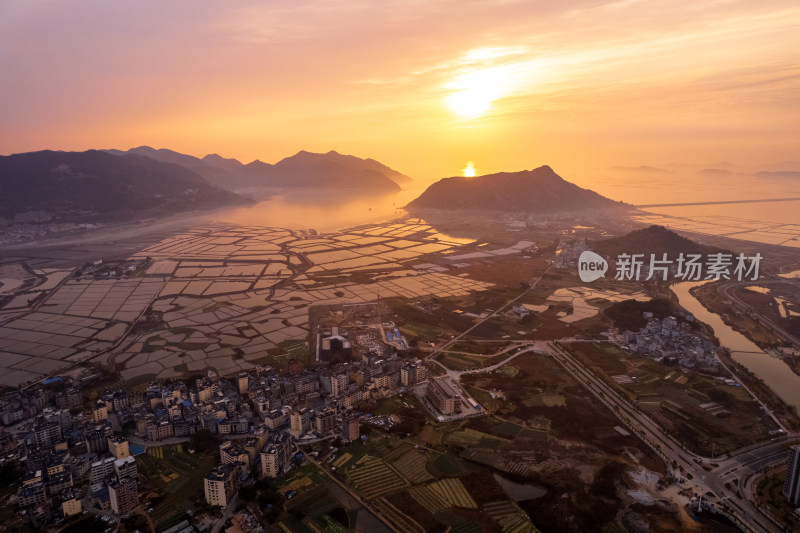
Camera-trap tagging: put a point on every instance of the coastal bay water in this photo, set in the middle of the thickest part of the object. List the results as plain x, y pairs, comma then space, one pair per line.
331, 210
322, 210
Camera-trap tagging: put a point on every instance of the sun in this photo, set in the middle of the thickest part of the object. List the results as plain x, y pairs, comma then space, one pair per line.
469, 171
473, 92
470, 103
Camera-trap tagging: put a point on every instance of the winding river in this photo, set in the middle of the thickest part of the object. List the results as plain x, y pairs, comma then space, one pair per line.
774, 372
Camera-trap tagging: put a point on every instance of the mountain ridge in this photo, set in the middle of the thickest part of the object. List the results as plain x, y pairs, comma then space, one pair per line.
540, 189
654, 239
301, 170
95, 183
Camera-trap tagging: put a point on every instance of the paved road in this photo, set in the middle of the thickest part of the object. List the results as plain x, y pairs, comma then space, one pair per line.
94, 511
226, 514
352, 493
534, 346
725, 290
509, 303
736, 469
754, 459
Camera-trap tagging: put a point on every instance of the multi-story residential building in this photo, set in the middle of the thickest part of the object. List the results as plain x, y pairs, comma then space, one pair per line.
275, 457
32, 492
120, 401
230, 453
412, 373
220, 484
69, 399
100, 471
125, 467
118, 446
351, 428
100, 412
276, 419
325, 421
70, 502
47, 434
97, 438
56, 483
243, 382
300, 420
124, 496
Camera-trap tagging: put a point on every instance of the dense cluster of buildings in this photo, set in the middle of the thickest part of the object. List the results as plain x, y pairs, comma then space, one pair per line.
568, 251
58, 446
62, 441
671, 342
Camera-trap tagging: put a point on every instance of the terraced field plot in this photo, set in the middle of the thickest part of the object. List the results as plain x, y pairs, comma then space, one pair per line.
428, 498
452, 491
509, 517
373, 478
411, 466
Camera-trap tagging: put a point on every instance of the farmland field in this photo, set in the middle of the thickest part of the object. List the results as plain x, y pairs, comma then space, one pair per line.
428, 498
176, 478
452, 492
707, 416
471, 438
372, 477
411, 466
402, 521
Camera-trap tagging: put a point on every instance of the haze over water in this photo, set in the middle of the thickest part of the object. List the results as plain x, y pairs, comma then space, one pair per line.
333, 210
324, 211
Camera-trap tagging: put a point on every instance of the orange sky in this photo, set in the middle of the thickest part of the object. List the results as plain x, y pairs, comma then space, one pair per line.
423, 86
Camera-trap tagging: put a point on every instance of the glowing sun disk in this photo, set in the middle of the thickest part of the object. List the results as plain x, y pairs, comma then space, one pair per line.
475, 91
469, 171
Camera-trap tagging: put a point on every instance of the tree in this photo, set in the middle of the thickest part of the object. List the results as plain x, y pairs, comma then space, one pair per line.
10, 473
248, 493
268, 496
204, 441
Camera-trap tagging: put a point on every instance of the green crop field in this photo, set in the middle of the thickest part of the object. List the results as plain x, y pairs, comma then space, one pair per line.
400, 520
447, 465
177, 476
397, 450
428, 498
452, 491
509, 517
411, 466
373, 478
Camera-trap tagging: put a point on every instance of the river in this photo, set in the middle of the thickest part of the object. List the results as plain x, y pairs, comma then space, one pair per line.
774, 372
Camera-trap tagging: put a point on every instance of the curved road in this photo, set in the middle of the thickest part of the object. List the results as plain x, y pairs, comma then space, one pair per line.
734, 471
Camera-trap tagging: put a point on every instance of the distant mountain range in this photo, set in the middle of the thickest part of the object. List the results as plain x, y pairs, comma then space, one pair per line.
641, 169
779, 174
302, 170
86, 185
721, 169
716, 172
539, 190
